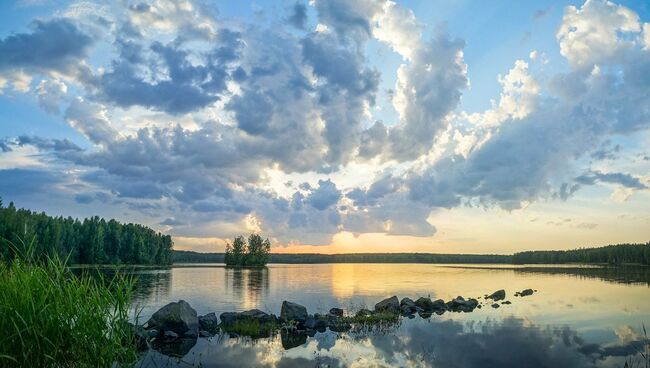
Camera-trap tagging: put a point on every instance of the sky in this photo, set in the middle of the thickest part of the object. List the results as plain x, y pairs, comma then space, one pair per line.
333, 126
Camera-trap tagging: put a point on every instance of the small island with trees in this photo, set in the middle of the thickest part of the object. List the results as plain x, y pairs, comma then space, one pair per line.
252, 253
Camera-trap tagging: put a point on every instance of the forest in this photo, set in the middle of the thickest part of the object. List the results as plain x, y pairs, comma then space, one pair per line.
610, 254
91, 241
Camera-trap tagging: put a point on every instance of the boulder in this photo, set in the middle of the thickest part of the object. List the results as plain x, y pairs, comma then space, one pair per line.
171, 335
425, 303
336, 312
495, 305
439, 305
293, 312
204, 333
526, 292
178, 317
390, 305
407, 306
459, 304
231, 318
291, 340
497, 295
209, 322
316, 322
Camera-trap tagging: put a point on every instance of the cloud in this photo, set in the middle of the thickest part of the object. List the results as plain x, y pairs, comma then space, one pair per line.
55, 44
324, 196
298, 16
625, 180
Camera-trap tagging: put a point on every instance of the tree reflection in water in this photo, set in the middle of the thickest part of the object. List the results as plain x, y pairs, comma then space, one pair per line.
249, 285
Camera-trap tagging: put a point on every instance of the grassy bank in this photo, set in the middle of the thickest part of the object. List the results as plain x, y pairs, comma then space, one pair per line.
51, 318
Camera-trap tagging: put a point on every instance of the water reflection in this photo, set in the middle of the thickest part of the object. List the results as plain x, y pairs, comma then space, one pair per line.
511, 342
619, 274
251, 285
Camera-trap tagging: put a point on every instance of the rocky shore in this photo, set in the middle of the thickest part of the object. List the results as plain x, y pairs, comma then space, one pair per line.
175, 328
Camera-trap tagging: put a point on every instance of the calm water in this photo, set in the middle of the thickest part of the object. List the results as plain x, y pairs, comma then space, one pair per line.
580, 316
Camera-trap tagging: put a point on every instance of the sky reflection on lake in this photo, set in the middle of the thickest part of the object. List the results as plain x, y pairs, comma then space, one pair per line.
578, 318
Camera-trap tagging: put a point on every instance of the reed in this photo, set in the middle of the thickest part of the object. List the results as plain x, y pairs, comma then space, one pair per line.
52, 318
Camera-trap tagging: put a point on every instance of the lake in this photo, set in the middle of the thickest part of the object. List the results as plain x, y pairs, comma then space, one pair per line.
579, 317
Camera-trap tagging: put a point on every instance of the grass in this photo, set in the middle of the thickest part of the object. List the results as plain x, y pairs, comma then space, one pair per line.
374, 318
52, 318
251, 328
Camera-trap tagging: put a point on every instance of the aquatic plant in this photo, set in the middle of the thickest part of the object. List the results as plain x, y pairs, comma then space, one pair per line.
52, 318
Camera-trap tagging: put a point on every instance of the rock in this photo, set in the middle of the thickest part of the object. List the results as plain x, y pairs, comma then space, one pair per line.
293, 312
191, 334
204, 333
230, 318
425, 303
209, 322
407, 306
336, 312
506, 302
390, 305
497, 295
439, 305
459, 304
315, 323
526, 292
178, 317
495, 305
153, 333
171, 335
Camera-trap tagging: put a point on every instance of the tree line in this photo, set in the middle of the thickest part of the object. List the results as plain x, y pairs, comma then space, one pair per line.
610, 254
240, 253
91, 241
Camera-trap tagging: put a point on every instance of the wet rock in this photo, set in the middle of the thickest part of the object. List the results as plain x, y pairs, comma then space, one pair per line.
153, 333
459, 304
390, 305
407, 306
439, 305
204, 333
425, 303
526, 292
315, 322
209, 322
495, 305
497, 295
171, 335
178, 317
263, 318
506, 302
293, 312
336, 312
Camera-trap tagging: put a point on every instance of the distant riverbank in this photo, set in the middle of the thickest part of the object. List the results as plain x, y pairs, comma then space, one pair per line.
620, 254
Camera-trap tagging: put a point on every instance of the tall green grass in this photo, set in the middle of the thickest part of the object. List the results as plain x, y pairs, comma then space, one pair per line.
52, 318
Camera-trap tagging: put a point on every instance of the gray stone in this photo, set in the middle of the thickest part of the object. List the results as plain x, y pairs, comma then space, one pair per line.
153, 333
497, 295
209, 322
178, 317
204, 333
336, 312
425, 303
389, 305
293, 312
495, 305
407, 306
316, 323
526, 292
171, 335
439, 305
